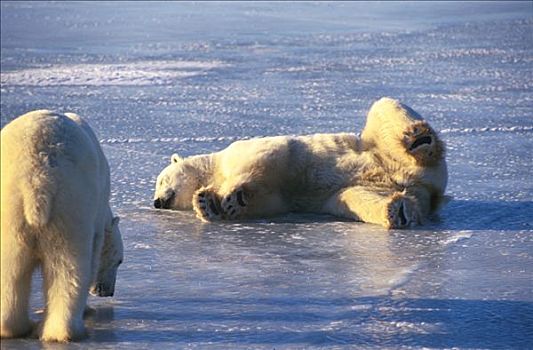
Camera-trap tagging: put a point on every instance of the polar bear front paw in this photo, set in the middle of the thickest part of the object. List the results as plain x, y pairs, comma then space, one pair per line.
62, 332
421, 142
207, 205
235, 203
401, 212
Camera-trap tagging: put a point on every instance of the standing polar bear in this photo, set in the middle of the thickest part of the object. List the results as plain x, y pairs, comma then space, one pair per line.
55, 214
393, 175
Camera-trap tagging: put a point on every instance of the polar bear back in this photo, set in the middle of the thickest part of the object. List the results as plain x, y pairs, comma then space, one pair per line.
305, 168
50, 164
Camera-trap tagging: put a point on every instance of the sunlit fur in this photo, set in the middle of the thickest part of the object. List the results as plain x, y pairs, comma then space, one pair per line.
55, 215
380, 177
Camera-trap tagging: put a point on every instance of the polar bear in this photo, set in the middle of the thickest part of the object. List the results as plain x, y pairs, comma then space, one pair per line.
55, 214
393, 175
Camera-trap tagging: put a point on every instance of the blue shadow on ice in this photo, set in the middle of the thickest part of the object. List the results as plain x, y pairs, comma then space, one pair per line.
366, 321
487, 215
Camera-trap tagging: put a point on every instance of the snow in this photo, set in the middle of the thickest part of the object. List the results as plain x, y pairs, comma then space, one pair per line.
160, 78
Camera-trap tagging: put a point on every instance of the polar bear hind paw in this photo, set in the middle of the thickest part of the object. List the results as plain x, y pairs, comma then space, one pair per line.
19, 331
235, 203
401, 212
207, 205
421, 142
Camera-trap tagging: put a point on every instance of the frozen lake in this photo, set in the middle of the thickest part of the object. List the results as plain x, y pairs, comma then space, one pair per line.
157, 78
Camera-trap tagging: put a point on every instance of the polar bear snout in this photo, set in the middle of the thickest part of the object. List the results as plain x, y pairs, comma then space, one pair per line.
164, 203
101, 290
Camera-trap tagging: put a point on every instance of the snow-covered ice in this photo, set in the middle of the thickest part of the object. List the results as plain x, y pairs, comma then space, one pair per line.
158, 78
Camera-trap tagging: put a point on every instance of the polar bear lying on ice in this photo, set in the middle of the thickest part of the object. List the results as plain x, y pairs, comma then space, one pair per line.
55, 214
393, 175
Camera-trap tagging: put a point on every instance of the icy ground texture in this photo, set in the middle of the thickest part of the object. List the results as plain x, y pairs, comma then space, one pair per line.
157, 78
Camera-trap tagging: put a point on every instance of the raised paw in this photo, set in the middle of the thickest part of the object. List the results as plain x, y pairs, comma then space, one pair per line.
401, 212
207, 205
422, 143
235, 203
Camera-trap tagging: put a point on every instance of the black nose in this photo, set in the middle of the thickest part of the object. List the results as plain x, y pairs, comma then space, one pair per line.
164, 203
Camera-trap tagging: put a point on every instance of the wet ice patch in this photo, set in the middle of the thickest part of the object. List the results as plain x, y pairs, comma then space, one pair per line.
98, 74
404, 327
457, 237
173, 139
402, 277
511, 129
142, 246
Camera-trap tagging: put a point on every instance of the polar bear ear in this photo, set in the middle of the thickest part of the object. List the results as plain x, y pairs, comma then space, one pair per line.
175, 158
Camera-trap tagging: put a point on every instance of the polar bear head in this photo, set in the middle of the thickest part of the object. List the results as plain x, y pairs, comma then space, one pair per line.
176, 185
110, 259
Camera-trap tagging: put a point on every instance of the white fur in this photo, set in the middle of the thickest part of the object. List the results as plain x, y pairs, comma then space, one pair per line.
379, 178
54, 214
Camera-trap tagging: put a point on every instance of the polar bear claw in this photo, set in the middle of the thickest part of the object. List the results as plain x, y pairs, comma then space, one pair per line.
207, 205
421, 142
401, 212
235, 203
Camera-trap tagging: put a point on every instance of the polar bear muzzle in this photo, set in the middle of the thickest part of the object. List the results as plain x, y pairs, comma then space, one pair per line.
101, 290
161, 203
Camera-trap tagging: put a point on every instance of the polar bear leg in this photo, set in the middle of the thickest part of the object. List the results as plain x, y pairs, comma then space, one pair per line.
251, 200
391, 210
16, 271
98, 243
395, 128
67, 273
247, 200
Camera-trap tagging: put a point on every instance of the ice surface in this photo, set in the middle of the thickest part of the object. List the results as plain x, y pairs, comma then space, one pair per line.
94, 74
158, 78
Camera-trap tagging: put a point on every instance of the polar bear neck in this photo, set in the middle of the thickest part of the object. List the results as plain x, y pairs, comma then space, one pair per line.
204, 165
